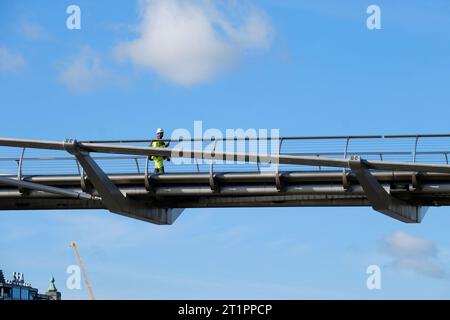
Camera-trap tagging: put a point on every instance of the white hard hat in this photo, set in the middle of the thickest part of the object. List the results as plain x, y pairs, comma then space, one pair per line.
160, 130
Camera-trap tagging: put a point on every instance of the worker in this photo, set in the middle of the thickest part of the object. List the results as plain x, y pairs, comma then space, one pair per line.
159, 143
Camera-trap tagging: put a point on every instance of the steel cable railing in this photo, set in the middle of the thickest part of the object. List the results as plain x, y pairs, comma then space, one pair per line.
405, 148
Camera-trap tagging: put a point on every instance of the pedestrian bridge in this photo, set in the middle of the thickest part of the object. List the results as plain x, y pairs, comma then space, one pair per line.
397, 175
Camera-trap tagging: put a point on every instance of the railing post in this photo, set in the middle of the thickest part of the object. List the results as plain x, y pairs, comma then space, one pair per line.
415, 149
82, 176
19, 170
345, 183
277, 173
196, 163
257, 151
147, 178
137, 165
346, 147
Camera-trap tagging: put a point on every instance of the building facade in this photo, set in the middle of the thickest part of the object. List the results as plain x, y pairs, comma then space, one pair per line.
18, 289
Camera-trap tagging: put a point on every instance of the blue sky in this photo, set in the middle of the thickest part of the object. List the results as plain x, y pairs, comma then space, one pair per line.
304, 67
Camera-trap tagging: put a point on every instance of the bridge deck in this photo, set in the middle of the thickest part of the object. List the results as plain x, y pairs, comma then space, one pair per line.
53, 175
188, 190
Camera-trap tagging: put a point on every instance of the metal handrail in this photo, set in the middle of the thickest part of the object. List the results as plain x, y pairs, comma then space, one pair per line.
377, 153
72, 158
277, 138
447, 135
337, 143
237, 139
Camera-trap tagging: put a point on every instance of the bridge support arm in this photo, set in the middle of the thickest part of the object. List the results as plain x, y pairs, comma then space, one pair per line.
112, 197
381, 200
49, 189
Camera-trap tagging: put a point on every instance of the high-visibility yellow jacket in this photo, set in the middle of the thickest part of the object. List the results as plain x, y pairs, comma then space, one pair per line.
159, 161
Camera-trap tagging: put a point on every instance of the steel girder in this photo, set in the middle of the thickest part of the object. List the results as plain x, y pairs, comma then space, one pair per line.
111, 196
380, 199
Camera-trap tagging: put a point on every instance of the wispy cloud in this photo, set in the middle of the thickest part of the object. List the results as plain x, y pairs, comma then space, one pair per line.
11, 61
290, 246
414, 254
33, 31
86, 71
188, 42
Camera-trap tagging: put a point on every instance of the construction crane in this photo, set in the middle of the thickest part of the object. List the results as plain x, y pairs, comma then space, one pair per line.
73, 245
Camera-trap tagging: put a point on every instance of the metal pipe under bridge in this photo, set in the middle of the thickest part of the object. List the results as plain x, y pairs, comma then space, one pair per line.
397, 175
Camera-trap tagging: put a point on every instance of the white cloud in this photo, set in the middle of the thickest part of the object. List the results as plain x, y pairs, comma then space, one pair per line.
403, 245
188, 42
415, 254
11, 61
86, 71
33, 31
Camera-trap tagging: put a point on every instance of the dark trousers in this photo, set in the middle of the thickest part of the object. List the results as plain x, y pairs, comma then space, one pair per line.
160, 170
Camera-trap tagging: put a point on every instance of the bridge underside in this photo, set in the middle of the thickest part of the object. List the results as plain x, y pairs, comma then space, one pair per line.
198, 190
